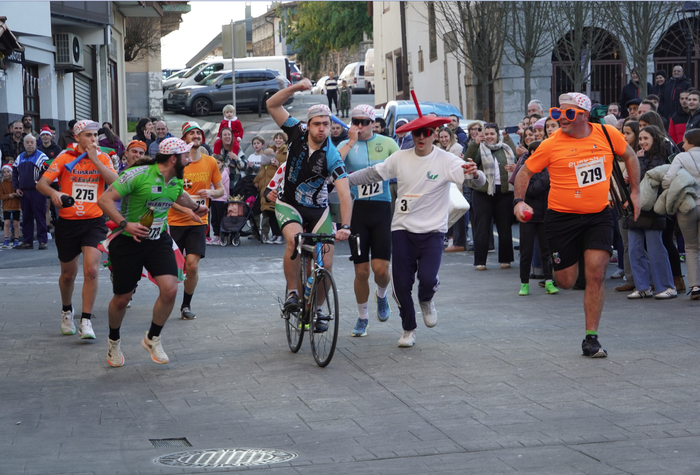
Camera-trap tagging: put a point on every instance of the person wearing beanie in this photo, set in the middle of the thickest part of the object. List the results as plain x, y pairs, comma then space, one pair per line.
538, 128
662, 88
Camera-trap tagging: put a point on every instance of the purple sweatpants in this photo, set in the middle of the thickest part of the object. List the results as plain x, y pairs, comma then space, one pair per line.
413, 253
33, 208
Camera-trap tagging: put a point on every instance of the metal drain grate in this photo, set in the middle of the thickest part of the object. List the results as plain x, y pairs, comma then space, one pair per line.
226, 458
170, 443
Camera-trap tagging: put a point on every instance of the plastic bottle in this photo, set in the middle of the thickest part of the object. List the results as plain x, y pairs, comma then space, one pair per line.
307, 288
147, 219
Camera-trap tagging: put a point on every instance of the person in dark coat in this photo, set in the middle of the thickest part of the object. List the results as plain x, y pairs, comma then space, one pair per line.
66, 138
631, 91
338, 133
662, 88
679, 83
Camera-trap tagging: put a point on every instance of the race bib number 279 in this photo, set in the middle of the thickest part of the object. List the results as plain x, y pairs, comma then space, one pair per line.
590, 173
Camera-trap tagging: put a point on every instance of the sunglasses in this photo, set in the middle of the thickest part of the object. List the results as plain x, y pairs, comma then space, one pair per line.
478, 129
364, 122
555, 113
423, 132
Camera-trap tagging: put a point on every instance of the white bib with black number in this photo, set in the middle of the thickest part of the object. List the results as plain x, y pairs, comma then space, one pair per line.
369, 190
406, 203
155, 230
199, 200
86, 192
590, 173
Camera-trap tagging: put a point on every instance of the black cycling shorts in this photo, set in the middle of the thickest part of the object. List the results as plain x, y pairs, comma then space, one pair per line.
11, 215
190, 239
570, 234
74, 234
129, 257
371, 220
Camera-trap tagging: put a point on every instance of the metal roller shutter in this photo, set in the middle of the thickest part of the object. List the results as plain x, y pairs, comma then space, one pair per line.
83, 98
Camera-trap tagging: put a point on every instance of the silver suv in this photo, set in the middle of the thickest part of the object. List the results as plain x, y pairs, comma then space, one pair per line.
253, 88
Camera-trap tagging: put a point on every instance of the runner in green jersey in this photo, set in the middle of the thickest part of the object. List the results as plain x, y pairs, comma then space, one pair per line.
135, 247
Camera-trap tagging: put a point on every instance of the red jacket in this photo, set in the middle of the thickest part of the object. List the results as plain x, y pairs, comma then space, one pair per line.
676, 126
237, 129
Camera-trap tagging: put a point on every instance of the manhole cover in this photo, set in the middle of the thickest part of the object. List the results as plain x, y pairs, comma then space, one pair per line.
226, 458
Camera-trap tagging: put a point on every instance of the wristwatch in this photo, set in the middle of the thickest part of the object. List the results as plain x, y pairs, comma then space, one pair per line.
345, 226
122, 224
517, 200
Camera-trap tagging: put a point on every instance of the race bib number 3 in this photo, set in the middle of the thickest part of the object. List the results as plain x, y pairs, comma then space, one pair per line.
86, 192
369, 190
155, 230
590, 173
406, 203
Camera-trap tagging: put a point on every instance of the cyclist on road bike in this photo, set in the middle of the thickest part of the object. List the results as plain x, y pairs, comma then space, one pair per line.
312, 164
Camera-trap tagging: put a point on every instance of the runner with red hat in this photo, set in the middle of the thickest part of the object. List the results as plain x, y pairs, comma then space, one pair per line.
424, 174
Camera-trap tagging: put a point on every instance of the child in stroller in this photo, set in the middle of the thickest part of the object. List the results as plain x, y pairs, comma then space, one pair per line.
237, 217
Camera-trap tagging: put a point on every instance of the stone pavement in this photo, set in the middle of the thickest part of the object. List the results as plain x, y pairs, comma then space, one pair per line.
499, 386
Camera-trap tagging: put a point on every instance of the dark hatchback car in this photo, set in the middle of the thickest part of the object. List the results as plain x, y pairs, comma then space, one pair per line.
253, 88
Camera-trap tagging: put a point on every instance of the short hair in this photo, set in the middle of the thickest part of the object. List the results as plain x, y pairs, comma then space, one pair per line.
283, 135
25, 116
538, 102
692, 136
492, 125
533, 146
12, 124
382, 122
217, 156
71, 124
535, 115
229, 108
259, 139
653, 97
650, 104
154, 119
693, 92
28, 136
52, 128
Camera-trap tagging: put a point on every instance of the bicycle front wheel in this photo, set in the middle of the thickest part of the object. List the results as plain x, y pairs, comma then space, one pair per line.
294, 326
323, 330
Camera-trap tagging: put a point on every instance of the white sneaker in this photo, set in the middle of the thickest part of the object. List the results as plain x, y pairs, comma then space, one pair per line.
280, 240
67, 325
640, 294
408, 339
115, 357
429, 313
86, 331
155, 348
480, 267
666, 294
618, 274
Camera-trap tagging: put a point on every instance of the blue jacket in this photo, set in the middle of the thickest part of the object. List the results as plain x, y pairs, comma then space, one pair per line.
27, 170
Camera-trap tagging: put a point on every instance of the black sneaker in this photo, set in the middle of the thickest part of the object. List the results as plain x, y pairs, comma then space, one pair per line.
591, 347
292, 302
186, 313
24, 245
320, 326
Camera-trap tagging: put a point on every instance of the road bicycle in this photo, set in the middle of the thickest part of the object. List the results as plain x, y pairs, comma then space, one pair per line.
318, 310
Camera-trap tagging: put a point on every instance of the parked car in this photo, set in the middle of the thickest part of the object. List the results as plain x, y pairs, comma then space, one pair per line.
196, 74
295, 72
320, 86
354, 74
369, 71
253, 88
396, 110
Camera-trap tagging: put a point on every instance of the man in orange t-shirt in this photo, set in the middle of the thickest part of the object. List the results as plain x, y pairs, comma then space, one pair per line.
83, 172
185, 226
579, 221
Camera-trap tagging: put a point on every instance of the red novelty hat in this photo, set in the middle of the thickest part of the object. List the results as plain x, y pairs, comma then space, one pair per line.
422, 120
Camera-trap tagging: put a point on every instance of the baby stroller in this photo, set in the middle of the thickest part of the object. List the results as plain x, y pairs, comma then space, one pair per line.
237, 214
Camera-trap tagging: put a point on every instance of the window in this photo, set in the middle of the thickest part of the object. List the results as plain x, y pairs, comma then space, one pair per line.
432, 32
450, 42
420, 60
30, 91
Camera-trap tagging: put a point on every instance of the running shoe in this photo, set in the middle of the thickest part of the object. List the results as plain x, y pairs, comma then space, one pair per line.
550, 288
115, 357
618, 274
480, 267
524, 289
640, 294
666, 294
16, 243
591, 347
694, 293
292, 302
320, 325
6, 244
408, 339
360, 328
505, 265
24, 245
67, 325
429, 313
187, 314
43, 246
86, 331
383, 309
155, 348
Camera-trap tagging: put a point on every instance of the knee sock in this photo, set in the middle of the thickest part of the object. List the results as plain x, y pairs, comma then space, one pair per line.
154, 331
381, 292
114, 333
364, 312
186, 300
68, 308
86, 316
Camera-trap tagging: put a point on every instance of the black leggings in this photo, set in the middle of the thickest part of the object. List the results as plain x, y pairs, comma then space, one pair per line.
332, 95
218, 211
528, 231
674, 258
496, 208
274, 225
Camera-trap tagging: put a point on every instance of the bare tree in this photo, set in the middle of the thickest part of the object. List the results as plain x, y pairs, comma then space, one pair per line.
640, 25
528, 36
476, 32
578, 34
141, 38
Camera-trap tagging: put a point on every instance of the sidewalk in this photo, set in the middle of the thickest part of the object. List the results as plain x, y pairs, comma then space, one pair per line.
498, 386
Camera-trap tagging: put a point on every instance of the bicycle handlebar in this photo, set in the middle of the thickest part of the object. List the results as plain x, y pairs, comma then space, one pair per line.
299, 241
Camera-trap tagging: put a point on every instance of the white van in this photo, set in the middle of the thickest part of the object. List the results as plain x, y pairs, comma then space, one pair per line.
369, 71
279, 63
354, 74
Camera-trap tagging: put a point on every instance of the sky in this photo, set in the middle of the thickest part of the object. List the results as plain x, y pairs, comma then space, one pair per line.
200, 26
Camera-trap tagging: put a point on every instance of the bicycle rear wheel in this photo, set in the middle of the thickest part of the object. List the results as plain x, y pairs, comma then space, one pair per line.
325, 297
294, 326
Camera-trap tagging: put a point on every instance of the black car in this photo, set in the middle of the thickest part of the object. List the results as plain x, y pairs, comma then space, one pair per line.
253, 88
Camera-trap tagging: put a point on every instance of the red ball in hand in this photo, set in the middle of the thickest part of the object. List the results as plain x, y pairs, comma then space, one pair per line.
527, 215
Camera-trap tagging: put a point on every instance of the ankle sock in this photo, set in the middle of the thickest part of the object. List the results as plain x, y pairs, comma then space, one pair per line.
154, 330
114, 333
186, 300
68, 308
86, 316
592, 332
381, 292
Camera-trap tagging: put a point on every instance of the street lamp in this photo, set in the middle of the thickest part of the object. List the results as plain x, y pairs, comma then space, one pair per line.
686, 14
